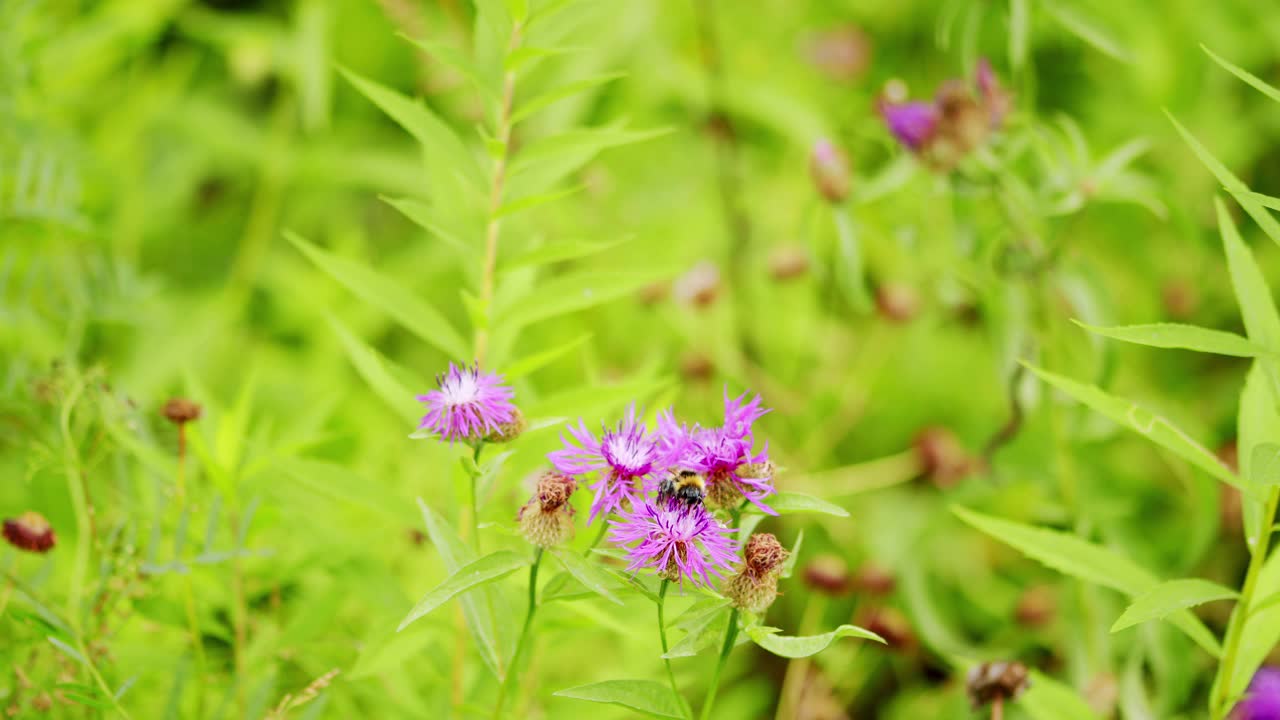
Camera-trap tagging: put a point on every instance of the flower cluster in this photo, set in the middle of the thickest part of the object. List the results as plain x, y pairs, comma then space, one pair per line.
726, 455
956, 122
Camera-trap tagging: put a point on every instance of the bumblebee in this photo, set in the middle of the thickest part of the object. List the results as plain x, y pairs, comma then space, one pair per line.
684, 485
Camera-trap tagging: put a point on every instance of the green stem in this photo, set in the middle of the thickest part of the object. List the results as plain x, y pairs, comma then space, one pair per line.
604, 527
79, 504
1257, 558
662, 634
851, 267
475, 501
730, 634
513, 669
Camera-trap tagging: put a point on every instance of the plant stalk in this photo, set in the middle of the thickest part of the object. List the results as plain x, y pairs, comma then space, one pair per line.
662, 635
1257, 558
730, 634
513, 669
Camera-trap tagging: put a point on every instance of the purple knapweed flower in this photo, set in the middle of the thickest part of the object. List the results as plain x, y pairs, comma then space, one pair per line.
624, 459
1262, 700
724, 455
681, 542
912, 123
468, 405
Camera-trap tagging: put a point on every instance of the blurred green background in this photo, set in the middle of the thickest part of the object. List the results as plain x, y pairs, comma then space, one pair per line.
153, 154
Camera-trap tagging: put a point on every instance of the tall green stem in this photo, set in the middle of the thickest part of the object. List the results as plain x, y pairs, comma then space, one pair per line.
851, 269
513, 668
1221, 703
475, 500
662, 634
730, 634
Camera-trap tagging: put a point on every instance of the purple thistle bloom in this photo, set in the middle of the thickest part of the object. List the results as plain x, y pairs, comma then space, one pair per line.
681, 542
468, 404
1262, 701
622, 457
912, 123
725, 454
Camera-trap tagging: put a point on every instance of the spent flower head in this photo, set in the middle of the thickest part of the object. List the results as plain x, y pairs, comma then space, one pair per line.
467, 405
755, 587
958, 119
989, 681
30, 532
681, 542
623, 459
547, 519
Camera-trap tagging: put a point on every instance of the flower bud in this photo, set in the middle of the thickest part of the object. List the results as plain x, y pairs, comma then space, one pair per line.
700, 286
654, 293
547, 519
829, 167
897, 302
30, 531
788, 262
828, 575
1036, 608
1181, 299
696, 366
890, 624
755, 587
181, 411
874, 580
943, 460
510, 430
991, 680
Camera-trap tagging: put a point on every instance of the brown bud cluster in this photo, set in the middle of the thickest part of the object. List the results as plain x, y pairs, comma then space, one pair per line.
829, 167
30, 532
991, 680
508, 431
890, 624
943, 460
874, 580
547, 519
755, 587
828, 575
181, 411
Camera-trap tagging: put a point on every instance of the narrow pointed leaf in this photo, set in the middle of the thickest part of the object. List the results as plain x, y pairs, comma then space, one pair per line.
558, 252
1265, 468
592, 576
1185, 337
1232, 183
701, 633
1167, 597
1256, 82
804, 646
540, 102
790, 503
1049, 699
423, 216
537, 361
1253, 294
646, 696
485, 570
381, 374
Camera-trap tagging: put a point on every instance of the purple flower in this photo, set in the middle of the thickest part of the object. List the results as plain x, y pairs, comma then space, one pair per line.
681, 542
622, 458
995, 98
725, 454
912, 123
1262, 700
468, 404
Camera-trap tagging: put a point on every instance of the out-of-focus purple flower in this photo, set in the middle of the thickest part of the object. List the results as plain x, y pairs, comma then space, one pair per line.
912, 123
829, 167
467, 405
1262, 700
622, 458
681, 542
995, 98
725, 455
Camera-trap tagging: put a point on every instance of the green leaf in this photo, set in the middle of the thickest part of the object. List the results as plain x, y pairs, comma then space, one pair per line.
459, 62
528, 202
435, 135
1257, 307
573, 292
789, 565
1154, 427
381, 374
1265, 466
701, 631
540, 102
592, 576
1232, 184
485, 570
1253, 80
1257, 422
1048, 699
1261, 631
1185, 337
1081, 559
544, 162
424, 217
1019, 32
1089, 31
789, 503
558, 252
537, 361
477, 607
528, 56
1159, 601
646, 696
804, 646
380, 291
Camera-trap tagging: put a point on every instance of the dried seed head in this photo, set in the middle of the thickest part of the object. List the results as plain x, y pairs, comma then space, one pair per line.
874, 580
991, 680
547, 519
700, 286
181, 411
943, 460
828, 575
31, 532
897, 302
763, 555
510, 430
1037, 607
829, 167
788, 262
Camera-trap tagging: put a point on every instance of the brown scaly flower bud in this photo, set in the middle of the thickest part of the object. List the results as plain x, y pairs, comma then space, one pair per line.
700, 286
181, 411
547, 519
874, 580
897, 302
31, 532
829, 167
788, 262
508, 431
890, 624
828, 575
943, 460
990, 681
755, 587
1037, 607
